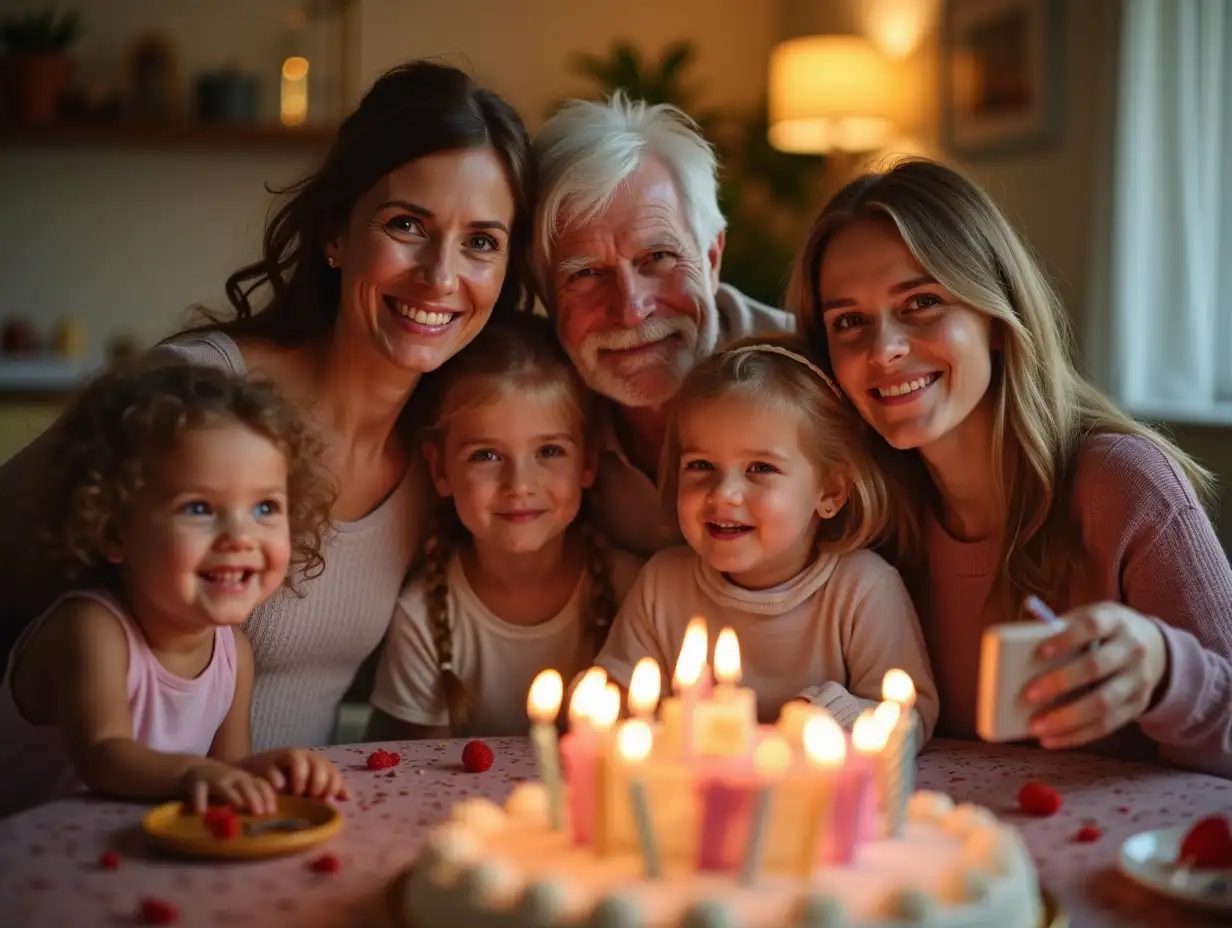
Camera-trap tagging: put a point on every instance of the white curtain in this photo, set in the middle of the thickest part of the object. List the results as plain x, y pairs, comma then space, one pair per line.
1170, 294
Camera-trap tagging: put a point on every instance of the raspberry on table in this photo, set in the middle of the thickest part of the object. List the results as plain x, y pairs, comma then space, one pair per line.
326, 863
1037, 798
383, 760
1088, 833
154, 911
476, 757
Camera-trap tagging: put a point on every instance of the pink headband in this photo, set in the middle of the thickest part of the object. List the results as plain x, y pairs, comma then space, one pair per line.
798, 358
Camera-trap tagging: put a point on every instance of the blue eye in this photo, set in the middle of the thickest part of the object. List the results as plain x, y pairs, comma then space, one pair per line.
196, 507
267, 508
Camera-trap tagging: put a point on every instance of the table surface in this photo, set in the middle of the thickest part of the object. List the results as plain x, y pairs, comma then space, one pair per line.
49, 873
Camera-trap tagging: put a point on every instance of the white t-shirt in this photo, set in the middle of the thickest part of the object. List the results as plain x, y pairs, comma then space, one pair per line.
497, 660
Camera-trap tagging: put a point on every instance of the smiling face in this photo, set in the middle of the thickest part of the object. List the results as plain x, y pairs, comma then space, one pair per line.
634, 295
424, 255
515, 468
207, 539
914, 360
748, 497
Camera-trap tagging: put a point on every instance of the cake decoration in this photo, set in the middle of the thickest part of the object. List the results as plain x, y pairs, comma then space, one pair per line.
689, 813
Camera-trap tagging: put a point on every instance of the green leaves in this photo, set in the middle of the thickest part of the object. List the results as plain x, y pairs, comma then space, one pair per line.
41, 31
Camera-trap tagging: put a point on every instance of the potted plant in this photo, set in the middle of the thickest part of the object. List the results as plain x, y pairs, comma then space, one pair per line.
38, 67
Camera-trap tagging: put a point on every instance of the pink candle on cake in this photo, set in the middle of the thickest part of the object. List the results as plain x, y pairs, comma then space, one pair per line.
579, 752
868, 740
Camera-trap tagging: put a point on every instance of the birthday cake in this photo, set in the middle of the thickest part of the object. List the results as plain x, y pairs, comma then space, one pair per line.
696, 816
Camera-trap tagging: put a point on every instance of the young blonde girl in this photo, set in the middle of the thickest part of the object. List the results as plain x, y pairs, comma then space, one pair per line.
182, 495
513, 581
778, 502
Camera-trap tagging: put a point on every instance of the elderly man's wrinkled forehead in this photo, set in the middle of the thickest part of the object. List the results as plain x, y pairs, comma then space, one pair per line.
644, 209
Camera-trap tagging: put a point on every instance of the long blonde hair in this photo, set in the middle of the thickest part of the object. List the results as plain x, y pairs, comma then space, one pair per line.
1044, 408
518, 354
834, 435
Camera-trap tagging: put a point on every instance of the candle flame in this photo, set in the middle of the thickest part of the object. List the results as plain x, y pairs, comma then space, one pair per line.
586, 694
887, 714
644, 687
692, 659
896, 686
543, 700
824, 742
773, 755
634, 741
607, 707
869, 735
727, 657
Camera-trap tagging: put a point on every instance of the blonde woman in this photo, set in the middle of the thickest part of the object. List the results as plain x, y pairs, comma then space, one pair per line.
1015, 476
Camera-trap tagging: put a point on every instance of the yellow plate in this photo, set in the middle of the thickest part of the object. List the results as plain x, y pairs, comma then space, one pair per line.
176, 829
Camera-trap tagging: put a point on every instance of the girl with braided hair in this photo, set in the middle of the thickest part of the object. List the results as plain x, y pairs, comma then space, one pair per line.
514, 579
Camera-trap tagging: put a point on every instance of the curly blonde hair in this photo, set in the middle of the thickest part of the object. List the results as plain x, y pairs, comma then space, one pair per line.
516, 355
834, 435
128, 417
1044, 408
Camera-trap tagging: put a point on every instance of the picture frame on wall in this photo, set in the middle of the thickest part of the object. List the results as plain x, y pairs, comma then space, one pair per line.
1001, 75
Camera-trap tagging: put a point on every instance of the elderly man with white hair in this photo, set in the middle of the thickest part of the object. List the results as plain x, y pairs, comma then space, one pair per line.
627, 250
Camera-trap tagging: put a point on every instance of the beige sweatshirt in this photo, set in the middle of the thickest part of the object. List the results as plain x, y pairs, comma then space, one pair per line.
828, 635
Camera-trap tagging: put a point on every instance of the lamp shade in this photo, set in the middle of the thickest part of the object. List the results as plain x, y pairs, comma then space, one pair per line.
829, 93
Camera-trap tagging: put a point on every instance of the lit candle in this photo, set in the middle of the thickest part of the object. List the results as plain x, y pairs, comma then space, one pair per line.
584, 697
579, 753
868, 739
794, 715
644, 688
726, 723
825, 749
633, 744
771, 760
891, 781
678, 711
542, 705
897, 688
602, 717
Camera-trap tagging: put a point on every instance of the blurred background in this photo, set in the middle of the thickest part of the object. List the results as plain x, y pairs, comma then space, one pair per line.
137, 140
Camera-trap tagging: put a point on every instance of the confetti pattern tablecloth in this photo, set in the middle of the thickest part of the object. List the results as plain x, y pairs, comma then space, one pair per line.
50, 873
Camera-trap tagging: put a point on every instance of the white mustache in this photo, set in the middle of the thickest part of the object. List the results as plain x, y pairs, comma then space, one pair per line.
652, 330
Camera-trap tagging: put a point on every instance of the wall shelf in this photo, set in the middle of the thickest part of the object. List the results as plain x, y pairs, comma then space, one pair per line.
185, 136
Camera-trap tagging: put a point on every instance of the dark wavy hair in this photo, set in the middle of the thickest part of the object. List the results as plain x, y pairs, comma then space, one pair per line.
412, 111
128, 417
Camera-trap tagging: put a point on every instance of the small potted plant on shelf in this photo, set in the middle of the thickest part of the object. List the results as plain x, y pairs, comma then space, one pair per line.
37, 65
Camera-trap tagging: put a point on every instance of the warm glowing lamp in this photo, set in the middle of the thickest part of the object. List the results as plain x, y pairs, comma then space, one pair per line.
829, 93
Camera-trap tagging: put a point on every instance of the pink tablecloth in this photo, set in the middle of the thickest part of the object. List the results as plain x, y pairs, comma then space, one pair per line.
49, 873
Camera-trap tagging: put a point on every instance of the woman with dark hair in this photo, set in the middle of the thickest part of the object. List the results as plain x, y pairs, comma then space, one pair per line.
379, 267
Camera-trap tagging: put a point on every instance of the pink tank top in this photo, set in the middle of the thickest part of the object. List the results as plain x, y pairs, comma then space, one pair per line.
170, 714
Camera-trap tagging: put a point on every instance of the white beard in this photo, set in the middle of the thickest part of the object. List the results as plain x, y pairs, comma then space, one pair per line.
652, 379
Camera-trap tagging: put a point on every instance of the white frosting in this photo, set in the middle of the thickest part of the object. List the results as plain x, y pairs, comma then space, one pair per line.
951, 868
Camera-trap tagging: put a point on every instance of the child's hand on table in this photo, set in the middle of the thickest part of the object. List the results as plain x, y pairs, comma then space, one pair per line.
298, 772
238, 788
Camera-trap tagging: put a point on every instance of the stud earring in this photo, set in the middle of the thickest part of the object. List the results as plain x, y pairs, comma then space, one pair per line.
827, 510
330, 261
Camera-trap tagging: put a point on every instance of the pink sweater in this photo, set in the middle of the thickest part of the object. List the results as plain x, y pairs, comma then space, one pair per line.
1150, 546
